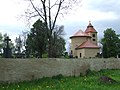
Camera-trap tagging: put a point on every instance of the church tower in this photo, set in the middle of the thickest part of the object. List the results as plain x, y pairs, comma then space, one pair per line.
84, 44
92, 32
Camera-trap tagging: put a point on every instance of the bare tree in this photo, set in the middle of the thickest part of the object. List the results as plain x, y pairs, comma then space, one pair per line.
48, 11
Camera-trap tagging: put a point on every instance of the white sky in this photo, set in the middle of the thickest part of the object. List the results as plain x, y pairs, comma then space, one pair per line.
102, 13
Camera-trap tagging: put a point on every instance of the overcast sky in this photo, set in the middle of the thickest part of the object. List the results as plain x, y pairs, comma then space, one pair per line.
103, 14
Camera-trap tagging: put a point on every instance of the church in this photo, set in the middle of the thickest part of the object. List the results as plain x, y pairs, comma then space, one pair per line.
84, 43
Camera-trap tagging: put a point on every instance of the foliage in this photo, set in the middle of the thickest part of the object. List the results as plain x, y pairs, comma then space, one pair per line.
89, 82
110, 41
58, 42
37, 39
58, 48
38, 42
105, 51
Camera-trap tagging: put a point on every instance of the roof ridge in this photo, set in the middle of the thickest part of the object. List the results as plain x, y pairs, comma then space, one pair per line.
88, 44
90, 28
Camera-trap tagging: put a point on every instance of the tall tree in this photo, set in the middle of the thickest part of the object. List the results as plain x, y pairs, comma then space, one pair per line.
37, 39
19, 45
48, 11
110, 41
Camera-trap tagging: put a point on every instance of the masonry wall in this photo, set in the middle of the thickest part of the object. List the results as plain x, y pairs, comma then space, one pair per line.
75, 42
12, 70
91, 52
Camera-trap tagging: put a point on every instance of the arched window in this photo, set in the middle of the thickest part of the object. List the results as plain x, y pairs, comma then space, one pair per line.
93, 39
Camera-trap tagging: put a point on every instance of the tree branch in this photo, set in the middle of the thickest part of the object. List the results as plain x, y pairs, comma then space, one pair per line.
54, 4
37, 10
45, 12
49, 10
60, 3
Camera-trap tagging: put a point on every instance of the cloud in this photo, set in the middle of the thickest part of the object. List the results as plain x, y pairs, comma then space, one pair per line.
10, 10
103, 14
12, 31
104, 5
110, 13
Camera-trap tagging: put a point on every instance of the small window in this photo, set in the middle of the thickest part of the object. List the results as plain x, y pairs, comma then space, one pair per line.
80, 55
93, 39
71, 52
93, 35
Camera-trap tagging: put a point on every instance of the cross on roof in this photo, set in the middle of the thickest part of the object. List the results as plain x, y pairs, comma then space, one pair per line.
89, 21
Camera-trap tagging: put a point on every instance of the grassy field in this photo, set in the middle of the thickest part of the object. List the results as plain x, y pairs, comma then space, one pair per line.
89, 82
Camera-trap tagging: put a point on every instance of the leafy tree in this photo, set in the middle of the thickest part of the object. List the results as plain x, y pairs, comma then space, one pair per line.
48, 11
36, 41
19, 45
110, 41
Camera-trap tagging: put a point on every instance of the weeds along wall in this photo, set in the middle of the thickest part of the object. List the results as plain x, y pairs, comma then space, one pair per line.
16, 70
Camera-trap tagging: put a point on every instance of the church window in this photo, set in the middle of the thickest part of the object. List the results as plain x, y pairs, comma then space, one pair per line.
93, 39
93, 35
71, 52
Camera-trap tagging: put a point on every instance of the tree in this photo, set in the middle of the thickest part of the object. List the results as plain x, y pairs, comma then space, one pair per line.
110, 41
36, 41
105, 51
48, 11
58, 42
24, 38
19, 45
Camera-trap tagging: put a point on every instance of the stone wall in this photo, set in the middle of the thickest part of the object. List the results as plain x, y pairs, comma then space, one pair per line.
98, 64
27, 69
12, 70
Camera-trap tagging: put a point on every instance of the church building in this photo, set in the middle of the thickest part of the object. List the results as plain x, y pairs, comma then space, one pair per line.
84, 44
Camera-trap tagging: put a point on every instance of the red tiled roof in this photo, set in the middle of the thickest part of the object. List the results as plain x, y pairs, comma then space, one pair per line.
87, 44
90, 28
80, 33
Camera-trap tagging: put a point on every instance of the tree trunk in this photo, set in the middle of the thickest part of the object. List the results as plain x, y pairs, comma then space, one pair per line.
40, 54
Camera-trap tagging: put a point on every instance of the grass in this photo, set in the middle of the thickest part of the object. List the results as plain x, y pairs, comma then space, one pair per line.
88, 82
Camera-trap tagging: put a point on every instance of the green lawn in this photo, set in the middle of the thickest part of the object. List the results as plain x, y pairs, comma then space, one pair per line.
89, 82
